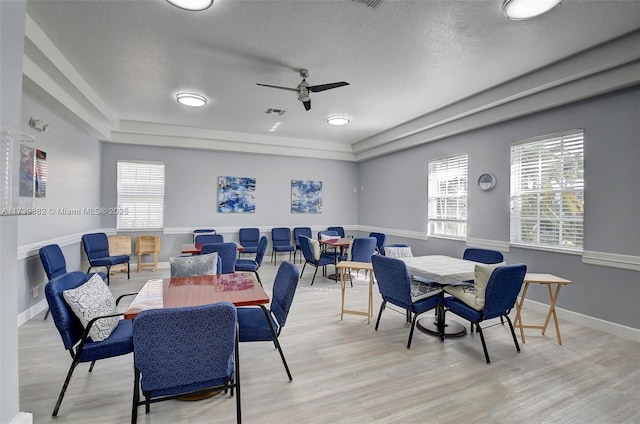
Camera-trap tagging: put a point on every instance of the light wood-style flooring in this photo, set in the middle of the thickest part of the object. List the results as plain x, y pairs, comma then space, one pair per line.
345, 372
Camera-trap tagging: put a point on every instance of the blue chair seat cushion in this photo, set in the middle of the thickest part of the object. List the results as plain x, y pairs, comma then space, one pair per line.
254, 326
248, 265
285, 248
459, 308
249, 249
110, 260
118, 343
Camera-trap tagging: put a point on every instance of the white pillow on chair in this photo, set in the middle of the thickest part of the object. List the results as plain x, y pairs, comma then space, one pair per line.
473, 293
316, 249
398, 252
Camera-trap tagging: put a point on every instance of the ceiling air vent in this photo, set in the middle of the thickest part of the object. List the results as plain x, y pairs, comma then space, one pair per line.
275, 111
370, 3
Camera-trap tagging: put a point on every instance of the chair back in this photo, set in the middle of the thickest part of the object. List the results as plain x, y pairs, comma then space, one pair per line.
228, 252
362, 249
67, 323
301, 231
262, 248
394, 281
185, 347
284, 288
281, 236
502, 289
96, 245
331, 233
381, 238
484, 256
249, 237
339, 230
209, 238
53, 261
307, 249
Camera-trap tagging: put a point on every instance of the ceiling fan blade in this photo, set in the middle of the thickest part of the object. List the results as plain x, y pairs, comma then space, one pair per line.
277, 86
307, 104
323, 87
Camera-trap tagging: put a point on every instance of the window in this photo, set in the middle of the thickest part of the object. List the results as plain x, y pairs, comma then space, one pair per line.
140, 195
448, 197
547, 191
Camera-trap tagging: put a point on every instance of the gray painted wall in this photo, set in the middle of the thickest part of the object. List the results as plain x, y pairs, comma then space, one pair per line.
191, 178
612, 199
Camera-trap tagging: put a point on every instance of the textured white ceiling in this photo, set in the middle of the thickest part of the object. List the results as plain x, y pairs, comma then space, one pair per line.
403, 60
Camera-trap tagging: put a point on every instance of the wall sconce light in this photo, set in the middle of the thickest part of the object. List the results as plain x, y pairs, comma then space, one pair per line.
38, 125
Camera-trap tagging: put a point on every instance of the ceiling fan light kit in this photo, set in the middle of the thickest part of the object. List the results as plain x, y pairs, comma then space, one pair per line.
338, 120
191, 99
519, 10
192, 5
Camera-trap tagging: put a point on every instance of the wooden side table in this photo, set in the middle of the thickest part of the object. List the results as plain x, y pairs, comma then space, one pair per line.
148, 245
548, 280
348, 265
119, 245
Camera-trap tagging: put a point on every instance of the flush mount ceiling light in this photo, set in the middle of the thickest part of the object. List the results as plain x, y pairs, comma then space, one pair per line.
518, 10
191, 99
338, 120
193, 5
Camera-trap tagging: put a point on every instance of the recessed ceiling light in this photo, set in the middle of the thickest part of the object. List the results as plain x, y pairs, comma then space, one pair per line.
518, 10
338, 120
193, 5
191, 99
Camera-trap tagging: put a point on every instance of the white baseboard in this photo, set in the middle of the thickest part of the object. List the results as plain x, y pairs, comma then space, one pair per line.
22, 418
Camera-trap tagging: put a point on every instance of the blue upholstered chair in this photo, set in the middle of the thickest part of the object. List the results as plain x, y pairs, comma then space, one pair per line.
96, 246
397, 288
339, 230
381, 238
281, 242
300, 231
53, 263
252, 265
201, 239
186, 350
249, 239
361, 250
75, 337
485, 256
259, 324
228, 252
314, 257
199, 231
500, 296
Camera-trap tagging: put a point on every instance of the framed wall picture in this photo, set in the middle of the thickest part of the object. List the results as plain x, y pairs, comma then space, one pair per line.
306, 196
236, 195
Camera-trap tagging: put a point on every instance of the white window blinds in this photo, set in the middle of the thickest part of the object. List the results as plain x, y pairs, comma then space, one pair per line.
547, 191
448, 181
140, 195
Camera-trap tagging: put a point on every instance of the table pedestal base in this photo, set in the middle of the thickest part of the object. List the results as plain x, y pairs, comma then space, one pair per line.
429, 325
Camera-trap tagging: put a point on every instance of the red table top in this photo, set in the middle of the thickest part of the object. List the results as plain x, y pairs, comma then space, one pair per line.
241, 289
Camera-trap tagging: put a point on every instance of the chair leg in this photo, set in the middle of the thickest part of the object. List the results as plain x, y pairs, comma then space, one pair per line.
108, 274
46, 315
314, 276
258, 277
413, 327
302, 272
513, 332
128, 271
382, 306
74, 363
136, 396
91, 366
484, 345
274, 336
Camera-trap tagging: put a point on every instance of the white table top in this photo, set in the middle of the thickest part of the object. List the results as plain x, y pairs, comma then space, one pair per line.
439, 268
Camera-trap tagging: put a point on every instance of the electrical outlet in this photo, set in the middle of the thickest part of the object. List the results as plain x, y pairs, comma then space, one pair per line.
36, 292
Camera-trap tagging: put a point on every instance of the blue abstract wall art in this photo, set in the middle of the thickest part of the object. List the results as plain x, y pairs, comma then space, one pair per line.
306, 196
236, 195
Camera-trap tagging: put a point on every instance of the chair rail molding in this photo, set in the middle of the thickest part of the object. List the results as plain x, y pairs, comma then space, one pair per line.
501, 246
613, 260
27, 250
418, 235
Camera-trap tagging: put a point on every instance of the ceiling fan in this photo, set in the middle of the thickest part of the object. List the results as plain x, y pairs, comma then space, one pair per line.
304, 88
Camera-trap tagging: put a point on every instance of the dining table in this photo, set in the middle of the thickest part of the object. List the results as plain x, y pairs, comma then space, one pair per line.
195, 249
443, 271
